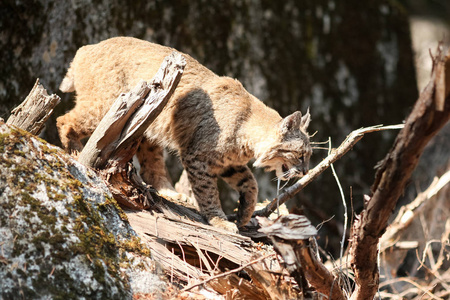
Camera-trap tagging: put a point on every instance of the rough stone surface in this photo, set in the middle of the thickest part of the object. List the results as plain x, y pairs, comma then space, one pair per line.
61, 233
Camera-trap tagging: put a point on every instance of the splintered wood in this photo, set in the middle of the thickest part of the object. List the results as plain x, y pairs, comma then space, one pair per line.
199, 255
116, 138
34, 111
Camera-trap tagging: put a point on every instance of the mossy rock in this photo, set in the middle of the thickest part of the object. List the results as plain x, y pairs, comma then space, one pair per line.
62, 235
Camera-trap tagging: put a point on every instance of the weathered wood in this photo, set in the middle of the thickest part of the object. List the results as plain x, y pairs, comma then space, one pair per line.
290, 235
425, 120
106, 136
34, 111
195, 253
232, 247
118, 135
410, 212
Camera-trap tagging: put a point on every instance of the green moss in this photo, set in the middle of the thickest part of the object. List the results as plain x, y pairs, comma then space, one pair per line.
135, 245
47, 150
3, 136
111, 202
96, 244
19, 153
58, 197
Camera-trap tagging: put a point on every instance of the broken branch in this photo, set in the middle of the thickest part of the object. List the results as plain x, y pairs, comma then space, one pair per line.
290, 236
227, 273
118, 135
34, 111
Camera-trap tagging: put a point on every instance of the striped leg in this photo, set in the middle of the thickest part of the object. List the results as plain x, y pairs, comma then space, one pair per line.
241, 179
204, 187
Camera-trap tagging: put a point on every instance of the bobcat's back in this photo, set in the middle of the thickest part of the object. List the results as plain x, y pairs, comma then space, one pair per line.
99, 73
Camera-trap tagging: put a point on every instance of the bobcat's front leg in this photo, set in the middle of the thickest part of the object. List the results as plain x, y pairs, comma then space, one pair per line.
241, 179
204, 187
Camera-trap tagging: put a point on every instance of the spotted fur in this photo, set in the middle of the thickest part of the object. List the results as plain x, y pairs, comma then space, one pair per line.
212, 122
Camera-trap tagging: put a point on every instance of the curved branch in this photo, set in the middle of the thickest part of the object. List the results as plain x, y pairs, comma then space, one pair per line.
428, 116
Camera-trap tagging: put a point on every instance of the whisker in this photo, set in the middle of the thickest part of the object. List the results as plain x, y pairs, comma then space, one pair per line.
287, 181
312, 135
319, 148
316, 143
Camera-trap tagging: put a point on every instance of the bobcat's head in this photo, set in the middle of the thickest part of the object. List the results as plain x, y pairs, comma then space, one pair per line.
289, 156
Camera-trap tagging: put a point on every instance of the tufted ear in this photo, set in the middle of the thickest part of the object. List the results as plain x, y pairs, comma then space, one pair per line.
305, 120
292, 121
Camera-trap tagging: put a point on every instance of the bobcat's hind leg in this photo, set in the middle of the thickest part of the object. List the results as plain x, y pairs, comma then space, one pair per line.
242, 180
69, 133
79, 123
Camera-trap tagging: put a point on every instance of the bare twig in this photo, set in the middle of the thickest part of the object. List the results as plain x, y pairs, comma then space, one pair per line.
424, 289
227, 273
431, 271
344, 204
409, 212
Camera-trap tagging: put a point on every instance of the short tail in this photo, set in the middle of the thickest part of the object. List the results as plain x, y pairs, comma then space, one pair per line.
68, 83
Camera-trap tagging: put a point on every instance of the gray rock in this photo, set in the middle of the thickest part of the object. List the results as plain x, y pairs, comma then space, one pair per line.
62, 234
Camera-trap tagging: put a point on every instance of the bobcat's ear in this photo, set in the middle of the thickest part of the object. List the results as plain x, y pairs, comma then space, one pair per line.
292, 121
305, 120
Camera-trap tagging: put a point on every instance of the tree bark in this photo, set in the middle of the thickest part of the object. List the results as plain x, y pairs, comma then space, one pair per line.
34, 111
425, 120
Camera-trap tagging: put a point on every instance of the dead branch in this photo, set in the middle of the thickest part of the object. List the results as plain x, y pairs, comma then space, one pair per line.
421, 125
409, 212
171, 236
335, 154
118, 135
290, 235
227, 273
116, 139
34, 111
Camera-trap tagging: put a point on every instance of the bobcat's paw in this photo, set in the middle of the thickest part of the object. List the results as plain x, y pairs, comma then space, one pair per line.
167, 193
224, 224
177, 197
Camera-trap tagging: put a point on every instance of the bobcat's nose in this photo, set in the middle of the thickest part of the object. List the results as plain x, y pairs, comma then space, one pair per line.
301, 171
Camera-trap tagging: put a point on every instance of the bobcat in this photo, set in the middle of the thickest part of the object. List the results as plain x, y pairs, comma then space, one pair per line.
212, 122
